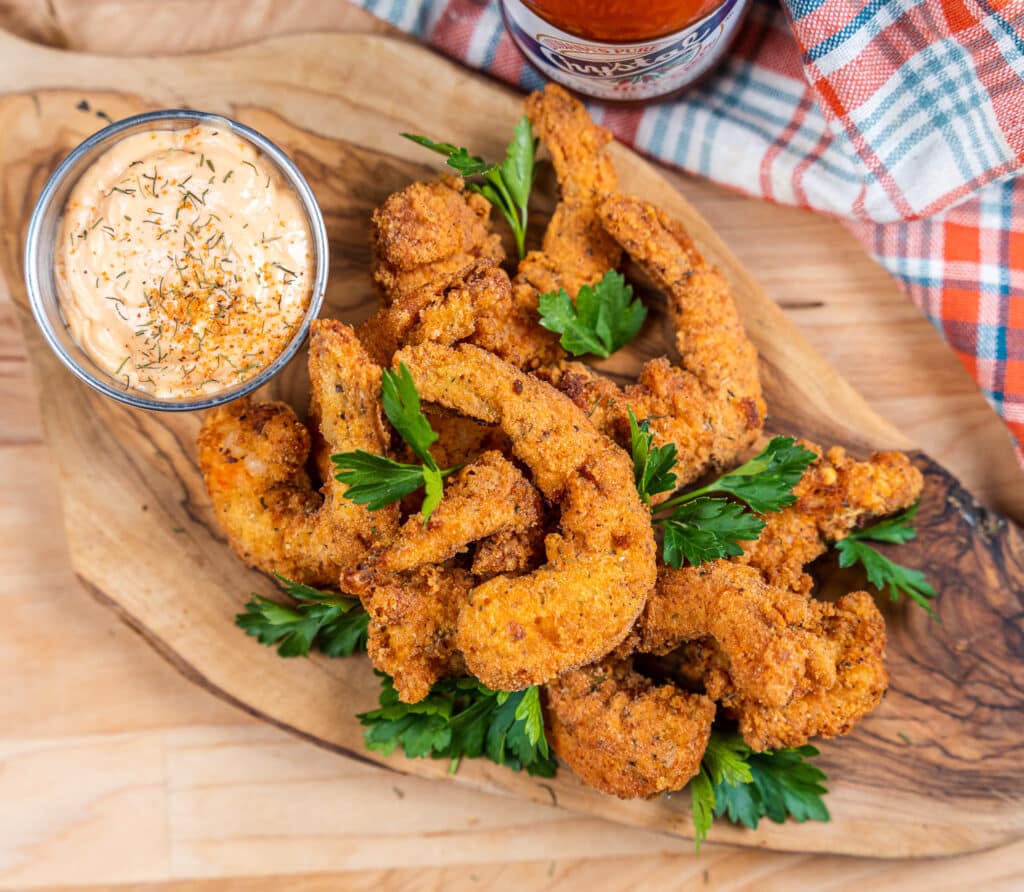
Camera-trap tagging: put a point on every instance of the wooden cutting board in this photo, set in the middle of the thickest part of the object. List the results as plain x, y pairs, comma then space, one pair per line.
935, 770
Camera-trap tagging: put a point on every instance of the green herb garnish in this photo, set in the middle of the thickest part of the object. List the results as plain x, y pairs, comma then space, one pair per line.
699, 527
506, 185
336, 624
745, 786
376, 480
882, 572
604, 318
461, 718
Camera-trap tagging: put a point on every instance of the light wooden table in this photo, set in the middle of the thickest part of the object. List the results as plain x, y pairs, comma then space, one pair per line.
115, 770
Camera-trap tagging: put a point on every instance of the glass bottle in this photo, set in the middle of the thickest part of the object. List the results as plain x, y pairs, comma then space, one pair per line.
624, 50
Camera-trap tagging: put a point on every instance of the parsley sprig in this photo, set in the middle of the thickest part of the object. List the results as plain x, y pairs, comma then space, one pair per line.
604, 318
881, 571
746, 786
699, 527
506, 185
336, 624
461, 718
376, 480
652, 465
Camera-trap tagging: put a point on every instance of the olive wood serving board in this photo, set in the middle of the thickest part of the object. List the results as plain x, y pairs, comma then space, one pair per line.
934, 770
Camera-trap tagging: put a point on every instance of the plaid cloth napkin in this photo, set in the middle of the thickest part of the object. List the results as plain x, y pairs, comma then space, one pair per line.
904, 117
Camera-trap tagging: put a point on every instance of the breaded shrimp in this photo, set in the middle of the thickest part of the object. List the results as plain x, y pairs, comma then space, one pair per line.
413, 616
835, 495
253, 456
488, 496
622, 733
523, 630
426, 233
576, 250
786, 666
711, 407
855, 630
767, 635
472, 303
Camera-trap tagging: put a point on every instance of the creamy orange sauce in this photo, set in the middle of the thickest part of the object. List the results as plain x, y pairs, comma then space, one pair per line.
184, 262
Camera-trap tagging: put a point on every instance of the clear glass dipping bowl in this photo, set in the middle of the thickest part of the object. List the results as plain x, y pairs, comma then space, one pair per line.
44, 228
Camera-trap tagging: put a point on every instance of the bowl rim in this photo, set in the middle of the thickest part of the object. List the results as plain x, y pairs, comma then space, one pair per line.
111, 134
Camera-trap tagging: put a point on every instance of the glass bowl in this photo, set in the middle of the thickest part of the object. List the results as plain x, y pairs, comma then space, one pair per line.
44, 229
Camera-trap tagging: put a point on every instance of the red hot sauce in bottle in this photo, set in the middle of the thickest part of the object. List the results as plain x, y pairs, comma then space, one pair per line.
624, 51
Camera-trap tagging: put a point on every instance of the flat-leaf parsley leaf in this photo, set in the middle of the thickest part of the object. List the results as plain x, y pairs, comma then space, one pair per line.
604, 318
745, 786
507, 185
336, 624
462, 718
882, 572
376, 480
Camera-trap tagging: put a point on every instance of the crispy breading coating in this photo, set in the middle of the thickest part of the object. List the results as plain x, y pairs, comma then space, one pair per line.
622, 733
711, 407
767, 635
855, 630
835, 496
398, 583
515, 551
253, 457
426, 233
488, 496
474, 304
413, 617
523, 630
576, 249
787, 667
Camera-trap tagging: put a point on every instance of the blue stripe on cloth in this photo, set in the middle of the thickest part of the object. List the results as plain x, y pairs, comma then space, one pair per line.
863, 16
801, 8
1016, 34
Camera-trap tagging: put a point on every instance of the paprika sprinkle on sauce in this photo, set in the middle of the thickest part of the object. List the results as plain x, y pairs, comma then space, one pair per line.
184, 262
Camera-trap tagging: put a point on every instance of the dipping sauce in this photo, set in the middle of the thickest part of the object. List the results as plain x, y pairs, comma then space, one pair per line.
184, 262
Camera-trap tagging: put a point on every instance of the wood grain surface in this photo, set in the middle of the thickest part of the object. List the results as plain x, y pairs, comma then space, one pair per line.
44, 707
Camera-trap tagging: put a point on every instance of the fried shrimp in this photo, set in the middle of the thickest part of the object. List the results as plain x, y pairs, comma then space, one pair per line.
622, 733
855, 630
472, 303
773, 658
576, 250
412, 596
253, 456
761, 631
712, 407
413, 617
487, 497
523, 630
835, 495
426, 234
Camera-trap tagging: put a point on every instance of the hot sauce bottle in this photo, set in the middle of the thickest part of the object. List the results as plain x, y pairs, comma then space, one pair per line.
623, 49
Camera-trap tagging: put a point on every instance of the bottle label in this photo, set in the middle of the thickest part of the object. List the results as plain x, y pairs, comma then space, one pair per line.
624, 71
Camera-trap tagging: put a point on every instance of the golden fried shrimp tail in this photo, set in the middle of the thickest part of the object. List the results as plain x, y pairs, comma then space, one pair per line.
576, 250
253, 456
712, 409
835, 495
623, 734
523, 630
424, 234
